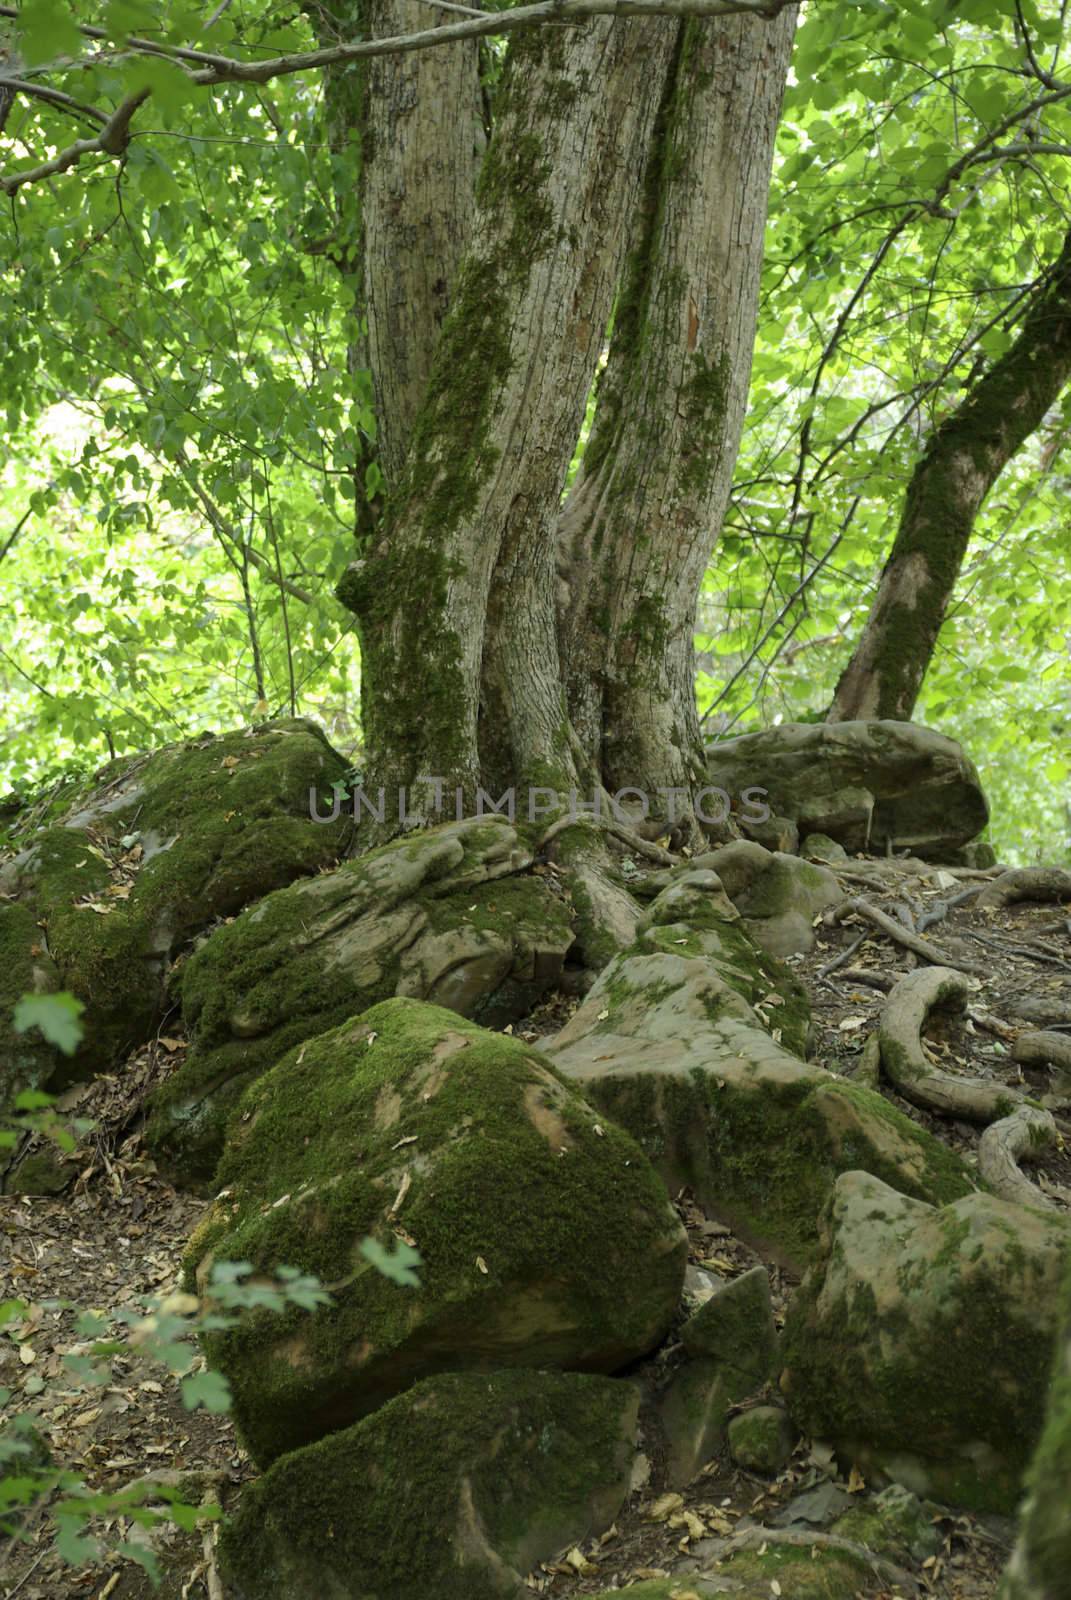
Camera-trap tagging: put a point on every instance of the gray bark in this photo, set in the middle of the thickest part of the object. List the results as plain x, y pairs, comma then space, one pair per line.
494, 436
639, 528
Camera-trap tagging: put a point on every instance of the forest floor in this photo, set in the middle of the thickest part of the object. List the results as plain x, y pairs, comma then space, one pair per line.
117, 1239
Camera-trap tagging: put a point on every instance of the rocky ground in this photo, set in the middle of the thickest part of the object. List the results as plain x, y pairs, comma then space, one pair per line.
116, 1241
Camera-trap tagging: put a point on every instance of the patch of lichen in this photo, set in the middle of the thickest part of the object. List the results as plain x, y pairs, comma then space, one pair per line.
536, 1450
480, 1171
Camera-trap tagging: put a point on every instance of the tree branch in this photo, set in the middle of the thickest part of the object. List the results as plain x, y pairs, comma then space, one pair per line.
55, 97
112, 141
213, 68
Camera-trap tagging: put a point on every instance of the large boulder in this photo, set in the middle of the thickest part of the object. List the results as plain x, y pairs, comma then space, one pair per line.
454, 1491
447, 915
546, 1238
119, 875
689, 1040
920, 1342
871, 785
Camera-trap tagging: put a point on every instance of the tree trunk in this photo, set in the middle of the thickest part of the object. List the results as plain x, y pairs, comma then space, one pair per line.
965, 457
493, 439
638, 530
629, 159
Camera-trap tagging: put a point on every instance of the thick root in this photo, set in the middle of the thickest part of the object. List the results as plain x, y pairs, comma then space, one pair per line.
1027, 883
906, 1063
1004, 1144
904, 936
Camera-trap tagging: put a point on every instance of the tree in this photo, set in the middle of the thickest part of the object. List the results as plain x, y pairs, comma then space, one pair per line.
507, 639
962, 461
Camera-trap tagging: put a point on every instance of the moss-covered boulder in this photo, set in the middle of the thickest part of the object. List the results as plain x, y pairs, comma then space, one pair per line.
454, 1491
546, 1238
687, 1041
778, 895
870, 785
894, 1523
920, 1342
448, 915
119, 874
769, 1570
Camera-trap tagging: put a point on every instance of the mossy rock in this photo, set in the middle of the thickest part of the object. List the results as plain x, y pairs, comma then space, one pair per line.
777, 895
140, 861
920, 1341
869, 784
546, 1238
454, 1491
894, 1523
668, 1046
736, 1328
761, 1439
446, 915
800, 1574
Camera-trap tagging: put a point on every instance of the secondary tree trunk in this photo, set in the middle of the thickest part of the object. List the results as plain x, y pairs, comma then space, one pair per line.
965, 457
638, 529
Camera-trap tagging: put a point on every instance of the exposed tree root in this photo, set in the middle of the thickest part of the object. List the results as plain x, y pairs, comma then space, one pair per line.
1027, 883
906, 1063
867, 976
617, 830
1004, 1144
910, 941
1043, 1050
1044, 1010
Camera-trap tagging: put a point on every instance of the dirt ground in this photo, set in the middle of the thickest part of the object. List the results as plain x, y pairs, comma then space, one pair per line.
115, 1240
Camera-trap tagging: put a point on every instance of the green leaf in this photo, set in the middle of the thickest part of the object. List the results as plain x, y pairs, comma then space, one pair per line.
208, 1389
55, 1015
396, 1264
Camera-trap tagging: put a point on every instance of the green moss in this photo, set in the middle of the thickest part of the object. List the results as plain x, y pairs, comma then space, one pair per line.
313, 1130
765, 1156
541, 1459
975, 1372
801, 1574
219, 821
265, 975
1043, 1554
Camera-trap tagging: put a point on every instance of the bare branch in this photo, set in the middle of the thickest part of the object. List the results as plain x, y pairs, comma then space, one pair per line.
55, 97
112, 141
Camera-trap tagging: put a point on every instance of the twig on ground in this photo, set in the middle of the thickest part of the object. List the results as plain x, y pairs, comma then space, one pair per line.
859, 907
